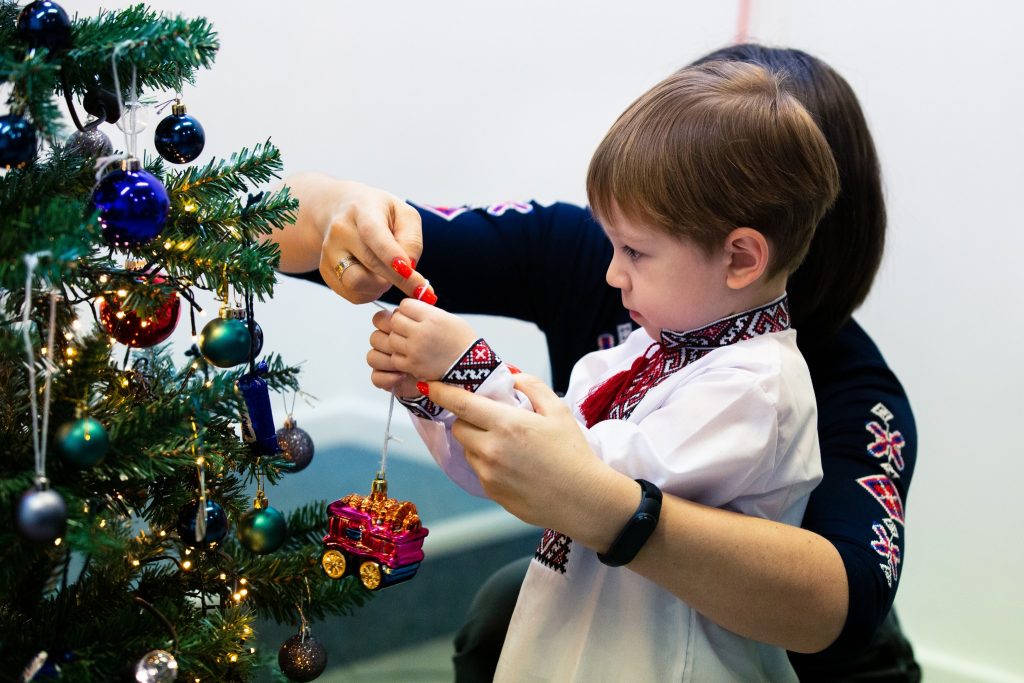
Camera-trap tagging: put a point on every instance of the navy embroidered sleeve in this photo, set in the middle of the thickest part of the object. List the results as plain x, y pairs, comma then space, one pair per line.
541, 264
868, 446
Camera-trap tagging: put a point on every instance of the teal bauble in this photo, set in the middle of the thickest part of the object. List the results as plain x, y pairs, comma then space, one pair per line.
262, 531
225, 342
83, 442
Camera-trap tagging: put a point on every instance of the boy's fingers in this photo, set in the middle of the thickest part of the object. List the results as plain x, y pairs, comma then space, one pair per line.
544, 400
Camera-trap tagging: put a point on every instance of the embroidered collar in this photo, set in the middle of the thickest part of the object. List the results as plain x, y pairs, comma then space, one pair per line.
772, 317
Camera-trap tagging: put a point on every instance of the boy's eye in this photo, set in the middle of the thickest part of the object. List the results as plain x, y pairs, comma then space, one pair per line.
631, 253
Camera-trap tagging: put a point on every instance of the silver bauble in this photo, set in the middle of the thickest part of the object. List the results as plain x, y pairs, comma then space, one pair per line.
156, 666
91, 143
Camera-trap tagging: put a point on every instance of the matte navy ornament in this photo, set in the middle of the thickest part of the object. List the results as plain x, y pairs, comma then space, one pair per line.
216, 524
44, 23
17, 141
133, 204
179, 137
42, 514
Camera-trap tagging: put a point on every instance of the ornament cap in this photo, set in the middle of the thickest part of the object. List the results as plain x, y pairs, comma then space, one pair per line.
178, 108
134, 264
261, 502
379, 486
131, 164
232, 312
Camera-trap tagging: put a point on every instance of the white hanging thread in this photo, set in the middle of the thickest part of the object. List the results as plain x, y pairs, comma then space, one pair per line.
130, 127
388, 436
38, 437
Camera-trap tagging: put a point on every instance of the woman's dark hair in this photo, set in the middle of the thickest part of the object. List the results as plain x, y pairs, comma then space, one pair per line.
836, 275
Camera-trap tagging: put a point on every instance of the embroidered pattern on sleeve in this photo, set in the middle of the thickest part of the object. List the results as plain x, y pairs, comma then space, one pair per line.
500, 208
421, 407
476, 365
449, 213
553, 550
886, 444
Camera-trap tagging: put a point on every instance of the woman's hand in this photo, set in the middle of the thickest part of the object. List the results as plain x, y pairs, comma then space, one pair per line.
538, 465
339, 220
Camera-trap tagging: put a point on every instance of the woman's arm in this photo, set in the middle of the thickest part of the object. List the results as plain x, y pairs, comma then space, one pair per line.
764, 580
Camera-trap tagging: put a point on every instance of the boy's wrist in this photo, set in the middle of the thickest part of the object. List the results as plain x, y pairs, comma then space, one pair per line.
473, 367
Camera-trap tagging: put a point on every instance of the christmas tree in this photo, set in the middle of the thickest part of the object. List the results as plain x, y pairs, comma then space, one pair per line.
136, 550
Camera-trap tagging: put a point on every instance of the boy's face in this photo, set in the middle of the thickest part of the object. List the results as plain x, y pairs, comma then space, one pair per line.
666, 282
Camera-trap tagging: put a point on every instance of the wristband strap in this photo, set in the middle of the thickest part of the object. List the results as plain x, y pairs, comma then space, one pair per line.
638, 529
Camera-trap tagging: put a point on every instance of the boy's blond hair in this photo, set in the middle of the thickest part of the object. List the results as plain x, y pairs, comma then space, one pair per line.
712, 148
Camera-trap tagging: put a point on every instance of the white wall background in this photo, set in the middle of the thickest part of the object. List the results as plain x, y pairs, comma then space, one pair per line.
450, 101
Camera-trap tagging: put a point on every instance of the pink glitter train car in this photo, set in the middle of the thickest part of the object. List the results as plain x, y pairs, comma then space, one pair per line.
376, 537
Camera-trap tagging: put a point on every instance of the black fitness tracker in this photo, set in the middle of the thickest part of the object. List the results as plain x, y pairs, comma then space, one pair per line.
637, 530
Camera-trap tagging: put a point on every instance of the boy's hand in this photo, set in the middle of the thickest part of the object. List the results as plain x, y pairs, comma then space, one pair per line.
383, 373
425, 341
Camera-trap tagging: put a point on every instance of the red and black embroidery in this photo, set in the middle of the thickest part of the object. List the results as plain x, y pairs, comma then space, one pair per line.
886, 445
421, 407
553, 550
675, 351
476, 365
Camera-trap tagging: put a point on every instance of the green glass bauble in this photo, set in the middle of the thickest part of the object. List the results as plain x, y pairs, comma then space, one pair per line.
225, 342
83, 442
262, 531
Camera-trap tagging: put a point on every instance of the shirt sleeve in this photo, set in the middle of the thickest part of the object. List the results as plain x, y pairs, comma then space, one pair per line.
541, 264
869, 445
481, 371
715, 441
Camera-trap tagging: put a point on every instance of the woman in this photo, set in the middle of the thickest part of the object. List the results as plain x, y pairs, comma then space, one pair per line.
822, 591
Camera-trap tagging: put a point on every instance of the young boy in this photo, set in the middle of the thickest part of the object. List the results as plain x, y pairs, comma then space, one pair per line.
709, 187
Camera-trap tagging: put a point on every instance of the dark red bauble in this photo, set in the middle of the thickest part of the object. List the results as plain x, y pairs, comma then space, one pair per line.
128, 328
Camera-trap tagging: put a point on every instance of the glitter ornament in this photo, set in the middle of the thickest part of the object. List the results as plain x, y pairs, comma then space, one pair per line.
263, 529
302, 657
45, 24
42, 514
83, 442
91, 143
216, 524
296, 445
131, 330
133, 204
157, 666
17, 141
225, 342
179, 137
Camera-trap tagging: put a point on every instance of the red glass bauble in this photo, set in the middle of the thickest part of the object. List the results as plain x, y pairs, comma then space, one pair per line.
128, 328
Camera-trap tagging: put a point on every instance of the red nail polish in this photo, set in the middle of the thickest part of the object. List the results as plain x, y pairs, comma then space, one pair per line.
412, 263
513, 369
423, 388
425, 294
402, 268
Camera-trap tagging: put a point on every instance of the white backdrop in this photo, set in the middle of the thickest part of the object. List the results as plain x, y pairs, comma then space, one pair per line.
450, 101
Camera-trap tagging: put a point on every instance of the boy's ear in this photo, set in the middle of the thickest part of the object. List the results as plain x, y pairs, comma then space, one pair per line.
747, 253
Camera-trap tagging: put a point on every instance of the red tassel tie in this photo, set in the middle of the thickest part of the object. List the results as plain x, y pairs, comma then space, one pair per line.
599, 401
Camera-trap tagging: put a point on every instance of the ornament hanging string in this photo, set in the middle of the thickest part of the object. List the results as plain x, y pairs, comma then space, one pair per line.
38, 435
200, 464
129, 126
388, 436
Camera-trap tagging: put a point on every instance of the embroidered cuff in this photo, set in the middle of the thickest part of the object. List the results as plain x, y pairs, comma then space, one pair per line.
476, 365
421, 407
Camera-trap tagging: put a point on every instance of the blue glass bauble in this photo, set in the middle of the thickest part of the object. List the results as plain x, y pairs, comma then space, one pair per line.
180, 137
262, 531
133, 205
45, 24
216, 524
17, 141
42, 515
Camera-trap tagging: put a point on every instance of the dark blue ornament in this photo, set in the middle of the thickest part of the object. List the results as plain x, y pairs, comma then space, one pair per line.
257, 338
42, 514
180, 137
216, 524
257, 402
45, 24
17, 141
133, 205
